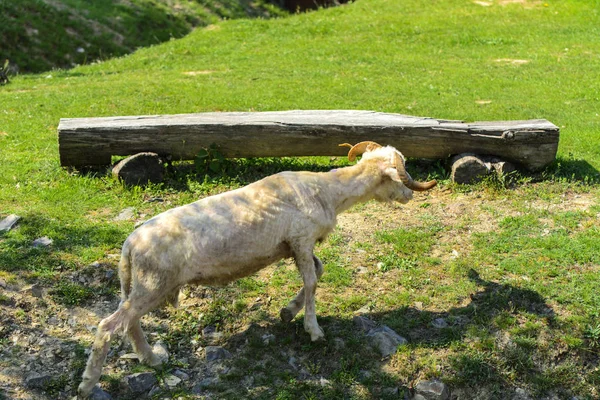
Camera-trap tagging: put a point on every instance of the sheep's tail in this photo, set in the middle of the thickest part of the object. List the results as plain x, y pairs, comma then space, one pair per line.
125, 273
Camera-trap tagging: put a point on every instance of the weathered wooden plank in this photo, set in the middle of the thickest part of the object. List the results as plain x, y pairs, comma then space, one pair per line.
92, 141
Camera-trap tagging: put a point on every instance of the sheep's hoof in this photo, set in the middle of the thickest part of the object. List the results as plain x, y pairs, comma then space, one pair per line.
84, 389
286, 315
315, 332
159, 356
317, 337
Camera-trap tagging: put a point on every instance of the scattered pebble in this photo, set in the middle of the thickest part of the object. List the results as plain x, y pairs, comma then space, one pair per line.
125, 215
9, 222
141, 382
216, 353
44, 241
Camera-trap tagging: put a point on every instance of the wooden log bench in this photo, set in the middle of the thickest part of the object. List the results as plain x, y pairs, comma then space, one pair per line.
530, 144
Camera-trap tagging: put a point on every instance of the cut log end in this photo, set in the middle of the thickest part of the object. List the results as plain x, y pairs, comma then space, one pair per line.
471, 168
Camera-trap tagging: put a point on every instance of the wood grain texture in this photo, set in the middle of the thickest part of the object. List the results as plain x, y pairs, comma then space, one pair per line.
92, 141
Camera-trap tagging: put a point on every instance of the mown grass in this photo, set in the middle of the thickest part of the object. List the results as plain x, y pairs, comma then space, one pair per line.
520, 291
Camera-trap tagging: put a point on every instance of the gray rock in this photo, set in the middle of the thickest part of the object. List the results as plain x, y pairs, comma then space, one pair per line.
439, 323
37, 381
141, 382
181, 375
160, 350
125, 215
520, 394
204, 384
172, 381
9, 222
363, 323
268, 338
140, 169
216, 353
44, 241
339, 343
385, 340
433, 390
34, 290
99, 394
391, 391
364, 375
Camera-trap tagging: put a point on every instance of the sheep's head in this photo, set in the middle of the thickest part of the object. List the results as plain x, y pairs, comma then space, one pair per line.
400, 184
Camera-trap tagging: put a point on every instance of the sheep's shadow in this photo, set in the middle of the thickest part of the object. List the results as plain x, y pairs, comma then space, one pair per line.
281, 358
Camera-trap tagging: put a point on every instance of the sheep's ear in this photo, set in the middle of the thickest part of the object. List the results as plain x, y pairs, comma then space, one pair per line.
393, 174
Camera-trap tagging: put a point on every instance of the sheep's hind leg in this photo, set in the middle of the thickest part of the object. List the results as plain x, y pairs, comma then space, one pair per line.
293, 308
141, 347
148, 355
93, 369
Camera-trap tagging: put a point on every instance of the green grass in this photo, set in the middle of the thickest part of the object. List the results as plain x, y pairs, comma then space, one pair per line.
39, 35
519, 292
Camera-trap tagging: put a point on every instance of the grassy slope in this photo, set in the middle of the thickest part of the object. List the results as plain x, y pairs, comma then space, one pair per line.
39, 35
437, 60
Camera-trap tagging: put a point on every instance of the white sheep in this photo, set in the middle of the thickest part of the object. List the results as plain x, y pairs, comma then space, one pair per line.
221, 238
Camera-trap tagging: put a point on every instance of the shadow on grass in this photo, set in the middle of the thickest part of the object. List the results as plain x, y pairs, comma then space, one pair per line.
284, 363
572, 170
20, 255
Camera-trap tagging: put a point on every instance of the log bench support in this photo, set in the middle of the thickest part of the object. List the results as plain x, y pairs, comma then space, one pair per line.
530, 144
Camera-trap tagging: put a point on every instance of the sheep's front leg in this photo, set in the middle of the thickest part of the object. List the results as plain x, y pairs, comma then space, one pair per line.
293, 308
307, 267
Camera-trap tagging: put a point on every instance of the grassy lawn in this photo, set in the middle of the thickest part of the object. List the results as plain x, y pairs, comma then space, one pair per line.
514, 271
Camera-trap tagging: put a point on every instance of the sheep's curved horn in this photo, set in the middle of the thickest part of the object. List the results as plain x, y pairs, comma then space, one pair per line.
408, 180
360, 148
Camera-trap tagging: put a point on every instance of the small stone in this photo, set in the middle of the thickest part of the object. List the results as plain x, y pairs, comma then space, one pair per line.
520, 394
324, 382
439, 323
268, 338
364, 375
362, 270
385, 340
433, 390
140, 169
141, 382
34, 290
216, 353
363, 323
339, 344
125, 215
129, 356
9, 222
109, 274
172, 381
292, 362
99, 394
204, 384
160, 350
44, 241
181, 375
37, 381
